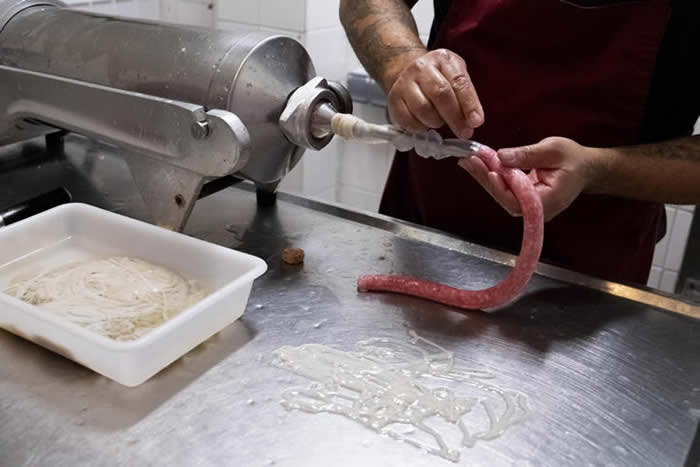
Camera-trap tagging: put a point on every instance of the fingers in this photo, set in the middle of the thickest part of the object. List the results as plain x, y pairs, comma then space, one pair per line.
546, 154
440, 92
434, 90
557, 191
402, 116
491, 160
455, 71
421, 106
493, 183
552, 202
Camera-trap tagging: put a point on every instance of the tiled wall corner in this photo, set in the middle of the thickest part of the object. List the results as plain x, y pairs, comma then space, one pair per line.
327, 48
364, 168
322, 14
143, 9
321, 171
286, 15
669, 253
192, 12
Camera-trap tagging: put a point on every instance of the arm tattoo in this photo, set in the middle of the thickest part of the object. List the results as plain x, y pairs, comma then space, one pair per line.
380, 31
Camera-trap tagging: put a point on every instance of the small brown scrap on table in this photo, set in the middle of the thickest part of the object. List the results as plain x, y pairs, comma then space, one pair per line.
293, 256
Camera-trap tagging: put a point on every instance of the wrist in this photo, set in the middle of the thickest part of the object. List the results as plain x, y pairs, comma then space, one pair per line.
599, 163
396, 65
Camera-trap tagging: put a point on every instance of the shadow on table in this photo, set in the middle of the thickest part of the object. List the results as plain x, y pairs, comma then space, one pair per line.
536, 321
82, 397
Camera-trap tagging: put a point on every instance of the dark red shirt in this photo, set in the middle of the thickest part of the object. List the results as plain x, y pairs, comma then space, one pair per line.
618, 74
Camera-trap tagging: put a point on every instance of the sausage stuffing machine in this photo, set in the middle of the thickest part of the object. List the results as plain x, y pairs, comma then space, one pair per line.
188, 106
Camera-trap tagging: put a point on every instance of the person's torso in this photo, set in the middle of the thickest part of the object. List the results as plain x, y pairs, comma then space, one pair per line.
579, 69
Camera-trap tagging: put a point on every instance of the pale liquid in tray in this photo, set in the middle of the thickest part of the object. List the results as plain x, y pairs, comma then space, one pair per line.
118, 297
414, 392
66, 251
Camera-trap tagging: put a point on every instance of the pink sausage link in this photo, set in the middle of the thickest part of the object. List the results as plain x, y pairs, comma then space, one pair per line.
514, 283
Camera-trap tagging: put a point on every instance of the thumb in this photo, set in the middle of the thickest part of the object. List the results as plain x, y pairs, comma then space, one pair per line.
536, 156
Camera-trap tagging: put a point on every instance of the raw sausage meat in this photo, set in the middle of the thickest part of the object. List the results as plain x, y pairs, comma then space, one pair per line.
500, 294
294, 256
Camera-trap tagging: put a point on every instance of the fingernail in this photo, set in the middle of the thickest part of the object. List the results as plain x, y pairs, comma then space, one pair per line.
467, 133
474, 119
507, 156
465, 164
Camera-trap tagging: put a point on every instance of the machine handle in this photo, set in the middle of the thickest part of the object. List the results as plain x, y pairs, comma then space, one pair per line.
209, 143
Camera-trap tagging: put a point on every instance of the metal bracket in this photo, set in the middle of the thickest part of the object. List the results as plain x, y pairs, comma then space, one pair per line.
296, 118
170, 192
175, 141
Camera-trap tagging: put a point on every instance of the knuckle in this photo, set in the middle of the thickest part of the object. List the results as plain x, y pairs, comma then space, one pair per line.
440, 89
422, 107
395, 99
398, 114
420, 64
461, 83
553, 143
442, 54
526, 154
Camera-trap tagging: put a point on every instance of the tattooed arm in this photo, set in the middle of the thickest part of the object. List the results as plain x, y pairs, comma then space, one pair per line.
667, 172
425, 89
384, 36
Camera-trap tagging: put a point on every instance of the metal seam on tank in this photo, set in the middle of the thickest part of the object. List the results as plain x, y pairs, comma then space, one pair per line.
254, 49
219, 63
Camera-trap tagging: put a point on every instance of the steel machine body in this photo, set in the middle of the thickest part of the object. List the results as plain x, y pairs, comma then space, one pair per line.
189, 106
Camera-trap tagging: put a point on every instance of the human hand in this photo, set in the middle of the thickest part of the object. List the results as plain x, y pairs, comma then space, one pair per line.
560, 170
433, 90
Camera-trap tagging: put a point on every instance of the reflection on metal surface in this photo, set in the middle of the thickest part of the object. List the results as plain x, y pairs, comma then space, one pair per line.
648, 296
413, 392
611, 381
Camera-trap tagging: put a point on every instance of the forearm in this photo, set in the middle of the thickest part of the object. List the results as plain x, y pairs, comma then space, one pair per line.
383, 34
665, 172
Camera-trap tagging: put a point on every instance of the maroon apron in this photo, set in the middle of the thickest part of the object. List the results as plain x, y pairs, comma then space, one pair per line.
546, 68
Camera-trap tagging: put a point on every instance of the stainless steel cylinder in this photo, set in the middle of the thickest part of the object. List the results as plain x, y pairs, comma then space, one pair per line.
249, 74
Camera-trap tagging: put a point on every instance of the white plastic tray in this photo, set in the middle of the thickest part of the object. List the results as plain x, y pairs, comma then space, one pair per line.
76, 231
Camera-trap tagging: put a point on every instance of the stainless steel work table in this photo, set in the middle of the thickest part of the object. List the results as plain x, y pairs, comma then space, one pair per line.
611, 378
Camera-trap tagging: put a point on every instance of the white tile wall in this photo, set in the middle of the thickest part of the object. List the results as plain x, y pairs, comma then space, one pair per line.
669, 253
321, 169
678, 238
423, 13
294, 181
322, 14
363, 168
360, 199
240, 11
193, 12
655, 277
327, 48
289, 15
286, 14
144, 9
669, 279
235, 26
662, 246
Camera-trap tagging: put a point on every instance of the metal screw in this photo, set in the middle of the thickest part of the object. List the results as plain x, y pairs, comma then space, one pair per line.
200, 130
